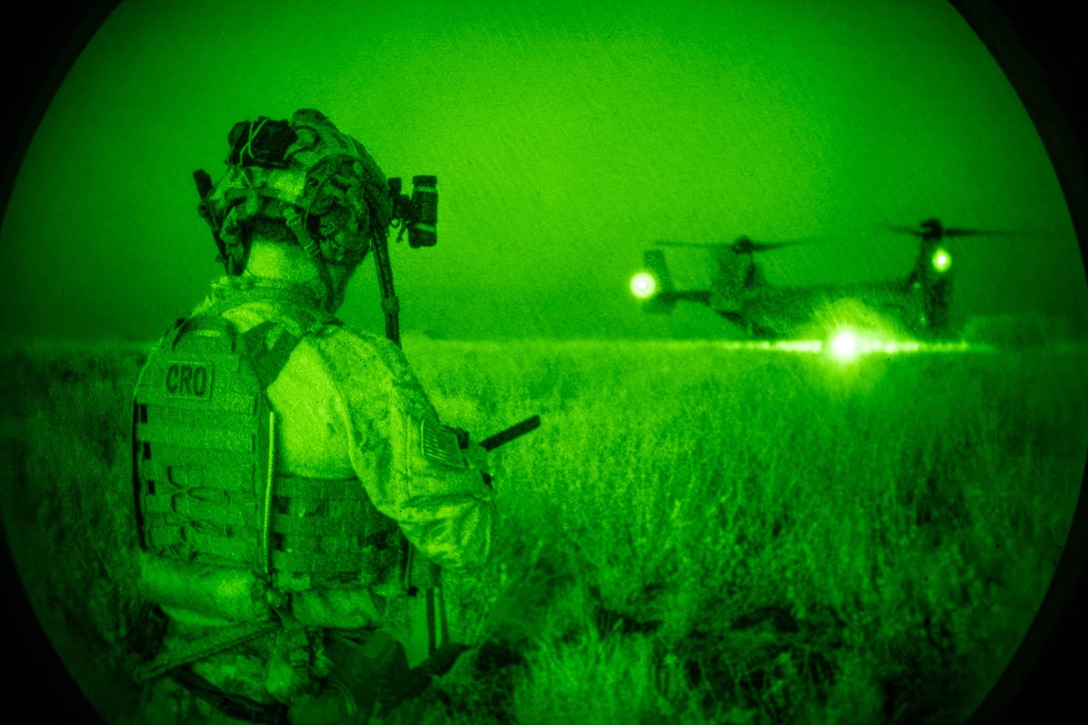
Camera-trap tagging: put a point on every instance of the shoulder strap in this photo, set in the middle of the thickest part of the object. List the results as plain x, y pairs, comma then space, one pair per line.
268, 360
266, 350
316, 316
203, 321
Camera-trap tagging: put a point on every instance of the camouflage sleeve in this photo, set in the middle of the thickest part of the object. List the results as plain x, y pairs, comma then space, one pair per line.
412, 466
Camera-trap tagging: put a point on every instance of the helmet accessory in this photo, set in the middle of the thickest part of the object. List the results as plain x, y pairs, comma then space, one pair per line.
321, 182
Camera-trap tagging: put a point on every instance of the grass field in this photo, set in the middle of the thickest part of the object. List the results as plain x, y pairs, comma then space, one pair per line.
695, 534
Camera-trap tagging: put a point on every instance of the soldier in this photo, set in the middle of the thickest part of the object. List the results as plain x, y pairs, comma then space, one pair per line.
284, 462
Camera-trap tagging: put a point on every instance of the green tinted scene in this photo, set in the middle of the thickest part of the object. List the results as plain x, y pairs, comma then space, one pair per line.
792, 286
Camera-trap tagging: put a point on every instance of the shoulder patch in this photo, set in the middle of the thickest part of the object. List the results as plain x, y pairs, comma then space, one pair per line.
439, 444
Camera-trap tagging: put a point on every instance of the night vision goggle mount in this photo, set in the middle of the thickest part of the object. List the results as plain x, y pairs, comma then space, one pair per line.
328, 190
418, 215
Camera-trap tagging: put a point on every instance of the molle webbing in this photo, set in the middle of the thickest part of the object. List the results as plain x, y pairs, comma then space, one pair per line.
201, 437
328, 529
202, 433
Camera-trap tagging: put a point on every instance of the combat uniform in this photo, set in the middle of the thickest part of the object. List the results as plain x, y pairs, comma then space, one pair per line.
283, 463
360, 462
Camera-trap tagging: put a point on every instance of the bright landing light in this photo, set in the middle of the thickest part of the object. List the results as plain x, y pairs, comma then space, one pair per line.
942, 260
845, 346
643, 285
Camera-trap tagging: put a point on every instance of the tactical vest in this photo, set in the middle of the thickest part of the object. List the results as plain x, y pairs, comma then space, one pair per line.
223, 535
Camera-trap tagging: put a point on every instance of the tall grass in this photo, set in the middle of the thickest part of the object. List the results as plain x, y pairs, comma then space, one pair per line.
67, 504
695, 534
874, 509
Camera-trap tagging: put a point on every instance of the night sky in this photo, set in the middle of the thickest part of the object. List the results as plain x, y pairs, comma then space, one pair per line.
565, 140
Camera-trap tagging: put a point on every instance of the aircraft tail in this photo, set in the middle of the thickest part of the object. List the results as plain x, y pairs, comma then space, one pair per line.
656, 289
655, 262
663, 299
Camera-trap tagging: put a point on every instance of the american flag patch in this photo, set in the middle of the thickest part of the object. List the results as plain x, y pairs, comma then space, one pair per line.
440, 444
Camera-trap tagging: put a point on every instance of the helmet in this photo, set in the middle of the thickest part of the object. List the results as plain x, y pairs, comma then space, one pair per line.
304, 173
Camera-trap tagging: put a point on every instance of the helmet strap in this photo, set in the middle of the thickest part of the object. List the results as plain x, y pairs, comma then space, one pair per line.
326, 280
313, 251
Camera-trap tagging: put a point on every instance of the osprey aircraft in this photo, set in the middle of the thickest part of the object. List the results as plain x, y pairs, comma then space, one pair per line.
918, 301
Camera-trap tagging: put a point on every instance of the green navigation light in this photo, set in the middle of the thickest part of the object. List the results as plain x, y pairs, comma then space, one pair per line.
643, 285
845, 346
941, 260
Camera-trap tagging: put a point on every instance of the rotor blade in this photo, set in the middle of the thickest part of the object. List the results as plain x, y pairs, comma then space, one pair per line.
990, 233
905, 230
666, 243
960, 232
744, 245
740, 246
767, 246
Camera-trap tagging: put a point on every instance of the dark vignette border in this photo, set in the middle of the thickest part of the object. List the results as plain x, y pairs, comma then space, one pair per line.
1035, 43
1039, 46
40, 41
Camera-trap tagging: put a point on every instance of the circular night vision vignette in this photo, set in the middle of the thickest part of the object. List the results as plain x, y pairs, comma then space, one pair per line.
1037, 53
